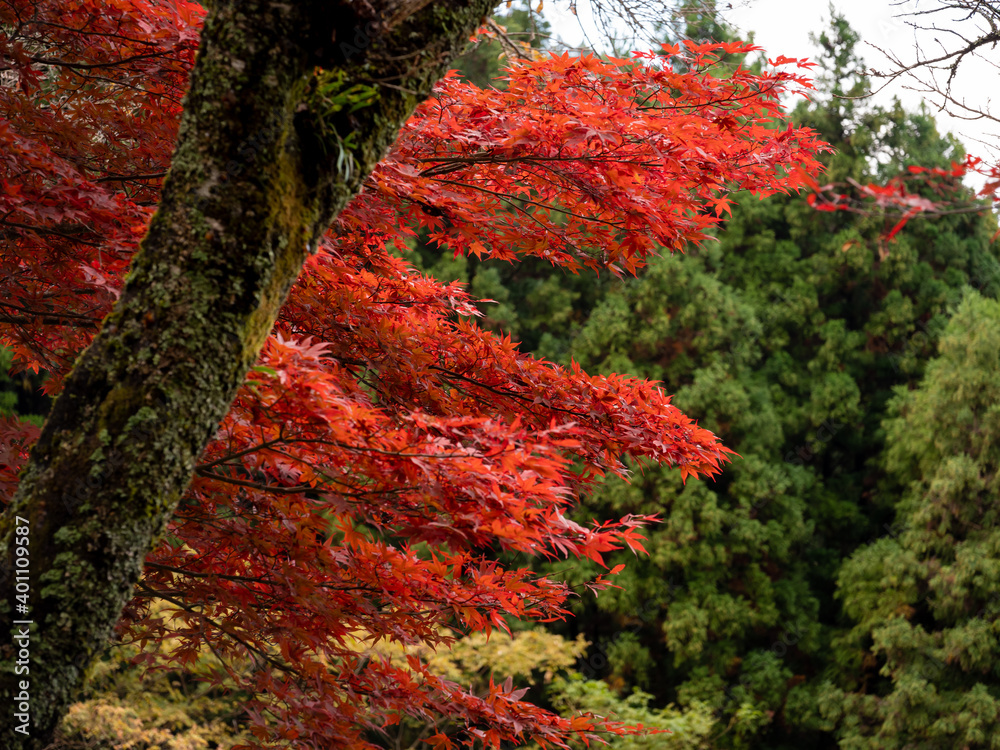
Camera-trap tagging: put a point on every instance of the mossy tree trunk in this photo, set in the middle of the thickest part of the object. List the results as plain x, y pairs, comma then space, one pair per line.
259, 173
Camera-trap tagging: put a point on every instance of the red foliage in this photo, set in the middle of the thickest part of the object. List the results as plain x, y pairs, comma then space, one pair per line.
386, 450
898, 197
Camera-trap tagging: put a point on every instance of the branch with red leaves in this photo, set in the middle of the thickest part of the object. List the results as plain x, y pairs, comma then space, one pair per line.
898, 200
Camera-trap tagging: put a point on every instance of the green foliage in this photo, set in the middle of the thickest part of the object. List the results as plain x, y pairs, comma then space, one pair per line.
688, 730
544, 664
532, 657
332, 95
166, 710
925, 598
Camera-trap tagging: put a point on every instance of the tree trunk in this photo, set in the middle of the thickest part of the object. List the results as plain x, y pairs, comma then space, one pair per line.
262, 166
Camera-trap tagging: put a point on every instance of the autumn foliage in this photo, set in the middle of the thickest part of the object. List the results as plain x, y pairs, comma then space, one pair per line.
387, 456
928, 191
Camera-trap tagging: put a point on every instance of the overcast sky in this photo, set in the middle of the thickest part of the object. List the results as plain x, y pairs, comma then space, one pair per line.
782, 27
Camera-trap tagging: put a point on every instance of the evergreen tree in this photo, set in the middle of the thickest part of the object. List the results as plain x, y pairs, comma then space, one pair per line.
926, 597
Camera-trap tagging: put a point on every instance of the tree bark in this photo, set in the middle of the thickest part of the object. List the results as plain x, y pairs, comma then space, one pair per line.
264, 162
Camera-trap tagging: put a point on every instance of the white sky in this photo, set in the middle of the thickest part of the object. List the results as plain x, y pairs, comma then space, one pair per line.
782, 27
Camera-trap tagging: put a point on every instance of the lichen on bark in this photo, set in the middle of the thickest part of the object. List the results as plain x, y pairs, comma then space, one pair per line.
255, 180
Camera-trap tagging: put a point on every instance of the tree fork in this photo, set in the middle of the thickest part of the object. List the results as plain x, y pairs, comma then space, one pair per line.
265, 160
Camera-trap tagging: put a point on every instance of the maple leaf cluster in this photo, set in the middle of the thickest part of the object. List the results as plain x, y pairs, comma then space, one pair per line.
593, 162
90, 98
387, 454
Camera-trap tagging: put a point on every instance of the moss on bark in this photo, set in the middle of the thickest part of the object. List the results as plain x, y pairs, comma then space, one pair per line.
254, 182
